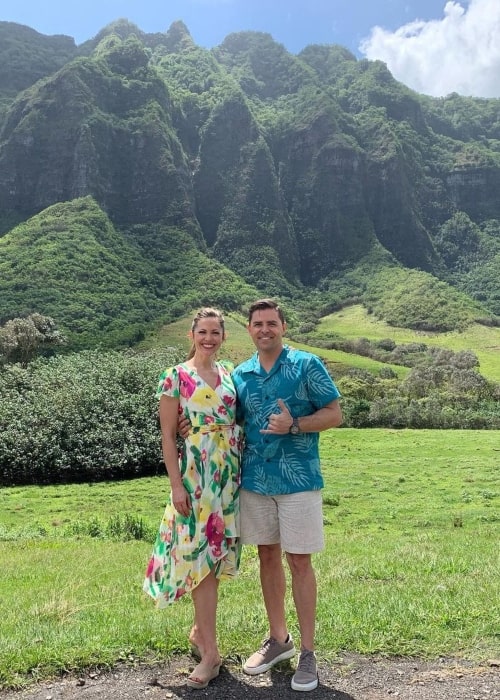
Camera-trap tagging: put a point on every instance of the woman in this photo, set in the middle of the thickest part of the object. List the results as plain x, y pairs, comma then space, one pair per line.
197, 542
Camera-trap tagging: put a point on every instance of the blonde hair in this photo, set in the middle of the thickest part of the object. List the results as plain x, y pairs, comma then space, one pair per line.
206, 312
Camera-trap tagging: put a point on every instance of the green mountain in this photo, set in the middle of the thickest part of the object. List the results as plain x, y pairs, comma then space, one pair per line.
141, 175
27, 56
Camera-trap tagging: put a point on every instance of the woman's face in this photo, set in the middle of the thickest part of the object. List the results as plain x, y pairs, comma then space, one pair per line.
207, 336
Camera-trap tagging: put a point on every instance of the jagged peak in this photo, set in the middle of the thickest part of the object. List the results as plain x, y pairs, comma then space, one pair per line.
178, 37
328, 52
237, 42
121, 27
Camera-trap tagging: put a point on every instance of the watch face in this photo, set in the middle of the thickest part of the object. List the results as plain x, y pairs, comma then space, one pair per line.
294, 429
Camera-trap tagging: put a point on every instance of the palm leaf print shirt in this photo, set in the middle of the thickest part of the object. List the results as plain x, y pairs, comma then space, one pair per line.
279, 464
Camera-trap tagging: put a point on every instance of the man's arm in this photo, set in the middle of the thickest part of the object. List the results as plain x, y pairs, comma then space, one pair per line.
330, 416
183, 426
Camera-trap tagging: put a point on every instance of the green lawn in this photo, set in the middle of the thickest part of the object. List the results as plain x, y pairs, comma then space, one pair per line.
411, 566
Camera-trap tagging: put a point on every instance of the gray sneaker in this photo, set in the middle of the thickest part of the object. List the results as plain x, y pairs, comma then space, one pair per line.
270, 653
306, 675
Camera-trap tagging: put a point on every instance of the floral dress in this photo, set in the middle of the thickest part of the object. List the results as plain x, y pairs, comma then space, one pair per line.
187, 548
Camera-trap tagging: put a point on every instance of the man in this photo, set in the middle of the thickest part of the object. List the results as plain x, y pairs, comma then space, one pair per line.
286, 398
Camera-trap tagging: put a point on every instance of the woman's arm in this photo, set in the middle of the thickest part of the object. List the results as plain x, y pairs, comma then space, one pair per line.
168, 422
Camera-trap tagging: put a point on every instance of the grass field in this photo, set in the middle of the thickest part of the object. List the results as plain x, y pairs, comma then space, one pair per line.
354, 322
411, 566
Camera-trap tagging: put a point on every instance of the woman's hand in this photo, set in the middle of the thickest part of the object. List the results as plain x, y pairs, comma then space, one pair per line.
181, 500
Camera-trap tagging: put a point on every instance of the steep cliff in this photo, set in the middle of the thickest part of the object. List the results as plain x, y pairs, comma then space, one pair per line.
100, 126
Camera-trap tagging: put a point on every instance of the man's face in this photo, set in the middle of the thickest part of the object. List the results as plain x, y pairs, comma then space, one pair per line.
266, 330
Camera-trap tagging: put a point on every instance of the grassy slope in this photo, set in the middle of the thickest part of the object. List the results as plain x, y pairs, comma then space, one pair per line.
237, 346
354, 322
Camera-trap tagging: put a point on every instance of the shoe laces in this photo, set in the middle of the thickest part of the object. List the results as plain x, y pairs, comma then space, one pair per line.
307, 661
267, 644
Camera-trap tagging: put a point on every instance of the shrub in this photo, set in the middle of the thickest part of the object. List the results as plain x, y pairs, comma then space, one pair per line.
83, 417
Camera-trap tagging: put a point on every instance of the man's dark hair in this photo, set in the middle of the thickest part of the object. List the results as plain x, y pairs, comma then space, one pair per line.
262, 304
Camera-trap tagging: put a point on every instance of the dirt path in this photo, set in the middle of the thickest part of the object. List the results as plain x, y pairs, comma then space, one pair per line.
351, 677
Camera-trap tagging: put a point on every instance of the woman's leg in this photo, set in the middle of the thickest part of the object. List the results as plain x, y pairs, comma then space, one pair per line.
203, 633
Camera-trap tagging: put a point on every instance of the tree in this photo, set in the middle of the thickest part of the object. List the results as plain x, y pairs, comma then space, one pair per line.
21, 339
457, 240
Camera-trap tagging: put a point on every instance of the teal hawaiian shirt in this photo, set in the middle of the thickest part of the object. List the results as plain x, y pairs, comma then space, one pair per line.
279, 464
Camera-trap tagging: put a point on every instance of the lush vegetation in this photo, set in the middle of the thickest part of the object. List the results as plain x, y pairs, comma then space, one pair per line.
83, 417
410, 565
92, 415
71, 264
75, 244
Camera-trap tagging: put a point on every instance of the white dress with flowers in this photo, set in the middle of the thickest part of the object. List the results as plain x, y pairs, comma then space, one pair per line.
188, 548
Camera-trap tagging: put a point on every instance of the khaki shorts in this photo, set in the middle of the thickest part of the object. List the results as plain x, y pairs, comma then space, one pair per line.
293, 520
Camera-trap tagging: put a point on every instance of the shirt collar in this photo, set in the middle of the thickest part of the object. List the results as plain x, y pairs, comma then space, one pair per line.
253, 364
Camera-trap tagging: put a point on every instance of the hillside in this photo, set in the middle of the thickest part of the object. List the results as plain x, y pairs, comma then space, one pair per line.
483, 341
70, 261
220, 175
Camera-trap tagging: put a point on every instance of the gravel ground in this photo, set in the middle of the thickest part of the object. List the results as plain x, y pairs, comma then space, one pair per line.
350, 677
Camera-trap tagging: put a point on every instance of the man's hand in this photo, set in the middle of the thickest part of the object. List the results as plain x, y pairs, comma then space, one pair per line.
183, 426
279, 423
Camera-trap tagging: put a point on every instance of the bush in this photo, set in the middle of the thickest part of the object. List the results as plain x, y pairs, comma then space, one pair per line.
88, 416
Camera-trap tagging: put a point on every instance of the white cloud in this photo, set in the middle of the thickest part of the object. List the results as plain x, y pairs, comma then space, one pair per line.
458, 53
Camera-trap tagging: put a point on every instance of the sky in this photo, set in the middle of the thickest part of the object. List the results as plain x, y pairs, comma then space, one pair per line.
433, 46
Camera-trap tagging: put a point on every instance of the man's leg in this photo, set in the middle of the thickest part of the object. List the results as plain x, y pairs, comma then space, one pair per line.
272, 581
304, 596
279, 645
259, 523
302, 513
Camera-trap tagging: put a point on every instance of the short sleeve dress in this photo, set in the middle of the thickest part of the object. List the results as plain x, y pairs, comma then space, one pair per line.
188, 548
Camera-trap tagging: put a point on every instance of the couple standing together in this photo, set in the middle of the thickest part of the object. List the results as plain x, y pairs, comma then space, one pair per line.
282, 398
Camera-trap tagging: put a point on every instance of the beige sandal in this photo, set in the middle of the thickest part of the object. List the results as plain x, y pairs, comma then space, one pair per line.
202, 675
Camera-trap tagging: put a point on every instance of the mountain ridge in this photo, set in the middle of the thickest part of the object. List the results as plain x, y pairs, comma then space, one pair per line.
300, 175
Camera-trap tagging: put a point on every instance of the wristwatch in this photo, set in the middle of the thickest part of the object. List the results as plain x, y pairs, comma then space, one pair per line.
294, 428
